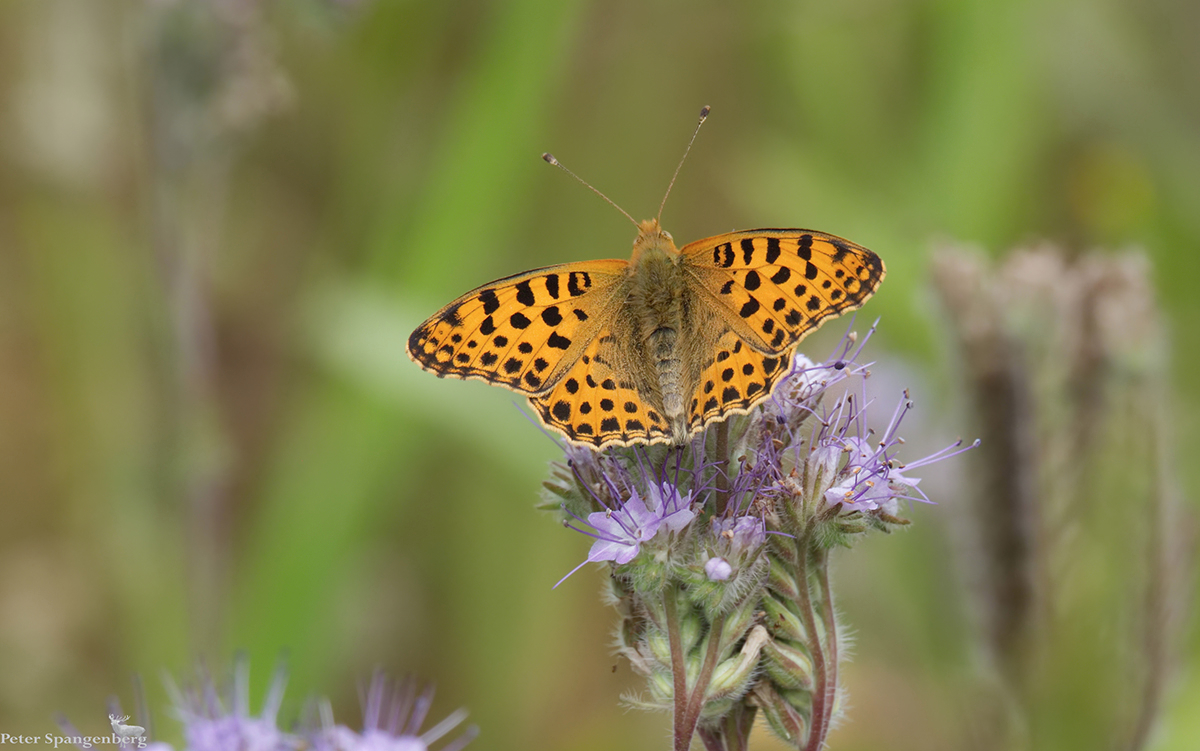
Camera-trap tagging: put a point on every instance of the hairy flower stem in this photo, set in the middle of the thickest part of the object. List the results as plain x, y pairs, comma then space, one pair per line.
678, 668
723, 470
831, 638
689, 703
826, 674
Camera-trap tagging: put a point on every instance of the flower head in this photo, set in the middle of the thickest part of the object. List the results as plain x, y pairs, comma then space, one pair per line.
392, 719
621, 532
211, 723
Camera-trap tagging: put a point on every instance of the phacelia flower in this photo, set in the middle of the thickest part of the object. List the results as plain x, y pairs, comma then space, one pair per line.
211, 723
621, 532
392, 719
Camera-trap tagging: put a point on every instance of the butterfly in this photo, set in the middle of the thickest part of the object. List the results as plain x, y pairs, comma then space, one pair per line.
653, 349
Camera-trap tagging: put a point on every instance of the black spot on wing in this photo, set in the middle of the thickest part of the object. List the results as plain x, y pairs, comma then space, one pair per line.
552, 287
805, 248
490, 302
452, 317
772, 249
551, 316
519, 321
561, 410
723, 255
747, 250
525, 293
752, 281
578, 282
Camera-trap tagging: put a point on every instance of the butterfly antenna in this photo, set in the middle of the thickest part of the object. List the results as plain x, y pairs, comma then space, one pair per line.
703, 116
551, 160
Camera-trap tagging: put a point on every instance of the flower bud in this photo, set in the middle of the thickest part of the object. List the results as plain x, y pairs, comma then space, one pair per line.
788, 664
738, 621
785, 720
717, 569
732, 676
780, 578
781, 621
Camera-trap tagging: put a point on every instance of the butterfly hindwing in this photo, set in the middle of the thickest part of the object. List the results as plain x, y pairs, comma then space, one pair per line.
738, 378
522, 332
775, 286
599, 402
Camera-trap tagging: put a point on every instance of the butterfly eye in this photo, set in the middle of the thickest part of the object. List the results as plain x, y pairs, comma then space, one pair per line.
667, 235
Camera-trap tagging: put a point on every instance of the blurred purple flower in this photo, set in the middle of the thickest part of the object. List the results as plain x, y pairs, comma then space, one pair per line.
210, 725
392, 719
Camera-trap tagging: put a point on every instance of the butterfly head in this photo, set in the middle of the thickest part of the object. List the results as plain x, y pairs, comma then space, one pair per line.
653, 238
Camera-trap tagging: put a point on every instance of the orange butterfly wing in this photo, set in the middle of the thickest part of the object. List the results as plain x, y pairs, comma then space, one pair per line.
598, 401
738, 378
776, 286
523, 332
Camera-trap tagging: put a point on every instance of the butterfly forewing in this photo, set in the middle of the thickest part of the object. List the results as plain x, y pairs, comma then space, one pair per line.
522, 332
599, 402
775, 286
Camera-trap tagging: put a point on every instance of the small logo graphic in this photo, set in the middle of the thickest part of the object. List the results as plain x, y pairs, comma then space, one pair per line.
125, 731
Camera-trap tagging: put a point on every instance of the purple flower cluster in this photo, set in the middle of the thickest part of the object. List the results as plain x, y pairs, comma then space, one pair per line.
392, 718
642, 501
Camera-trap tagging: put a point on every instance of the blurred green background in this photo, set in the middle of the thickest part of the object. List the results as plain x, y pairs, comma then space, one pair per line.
220, 220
